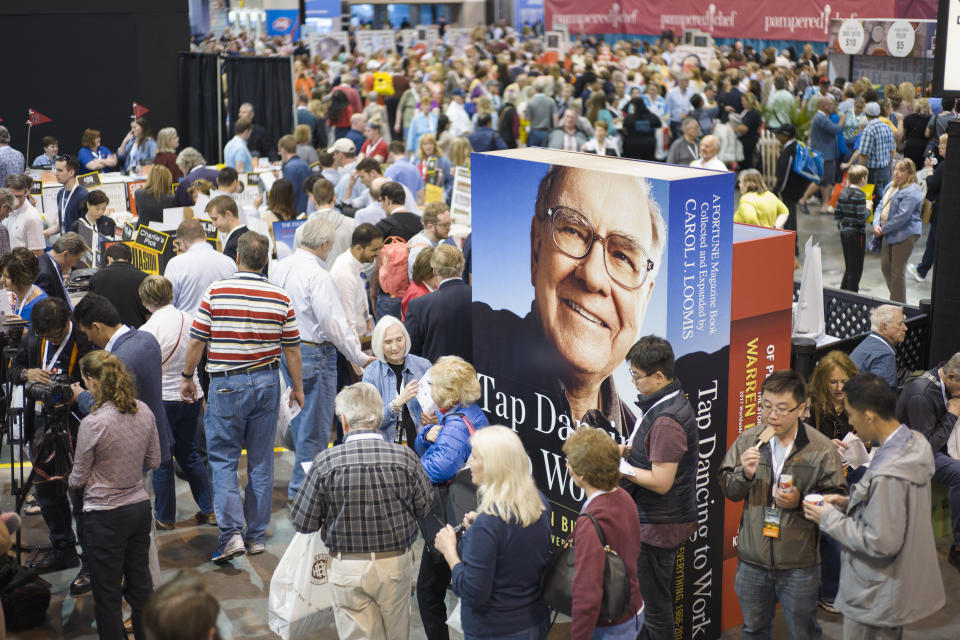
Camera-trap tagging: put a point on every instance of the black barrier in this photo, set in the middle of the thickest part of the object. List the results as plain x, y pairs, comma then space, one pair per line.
847, 317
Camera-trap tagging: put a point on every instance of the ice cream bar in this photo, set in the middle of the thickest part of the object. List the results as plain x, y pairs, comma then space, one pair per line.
764, 436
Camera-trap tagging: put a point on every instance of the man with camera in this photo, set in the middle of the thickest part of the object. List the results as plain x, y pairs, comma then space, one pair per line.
47, 361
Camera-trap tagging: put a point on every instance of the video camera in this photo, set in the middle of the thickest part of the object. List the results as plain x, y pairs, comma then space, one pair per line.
51, 394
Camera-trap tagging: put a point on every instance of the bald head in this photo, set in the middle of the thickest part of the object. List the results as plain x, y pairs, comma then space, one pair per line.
709, 147
375, 186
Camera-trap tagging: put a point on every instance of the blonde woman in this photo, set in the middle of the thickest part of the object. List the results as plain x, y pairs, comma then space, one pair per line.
435, 168
460, 152
758, 205
115, 443
305, 150
155, 196
443, 445
496, 569
485, 105
167, 143
899, 225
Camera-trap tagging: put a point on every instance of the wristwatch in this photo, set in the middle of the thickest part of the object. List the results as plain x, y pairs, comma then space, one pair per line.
188, 376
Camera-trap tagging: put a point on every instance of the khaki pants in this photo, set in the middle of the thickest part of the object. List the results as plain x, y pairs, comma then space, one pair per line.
371, 596
853, 630
893, 265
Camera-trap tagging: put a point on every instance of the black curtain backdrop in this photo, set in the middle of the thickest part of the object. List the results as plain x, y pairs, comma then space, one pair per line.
198, 97
83, 64
266, 83
944, 341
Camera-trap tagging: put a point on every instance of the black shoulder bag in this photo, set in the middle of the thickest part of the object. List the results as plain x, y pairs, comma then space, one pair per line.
557, 584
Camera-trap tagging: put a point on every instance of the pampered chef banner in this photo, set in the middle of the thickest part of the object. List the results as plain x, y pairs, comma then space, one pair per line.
771, 20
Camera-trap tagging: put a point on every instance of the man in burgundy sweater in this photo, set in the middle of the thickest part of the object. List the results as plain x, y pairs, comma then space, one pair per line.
662, 454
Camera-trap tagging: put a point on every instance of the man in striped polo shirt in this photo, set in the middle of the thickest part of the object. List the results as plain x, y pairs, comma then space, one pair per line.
246, 323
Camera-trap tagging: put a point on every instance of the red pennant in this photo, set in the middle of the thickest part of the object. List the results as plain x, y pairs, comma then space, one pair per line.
35, 117
139, 110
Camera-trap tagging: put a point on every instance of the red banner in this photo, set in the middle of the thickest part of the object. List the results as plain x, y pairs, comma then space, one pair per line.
139, 110
35, 117
770, 20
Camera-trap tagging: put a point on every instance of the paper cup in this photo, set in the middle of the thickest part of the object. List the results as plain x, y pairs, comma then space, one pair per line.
814, 498
786, 482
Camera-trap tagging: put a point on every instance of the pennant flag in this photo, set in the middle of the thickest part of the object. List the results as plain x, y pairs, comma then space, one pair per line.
139, 110
35, 117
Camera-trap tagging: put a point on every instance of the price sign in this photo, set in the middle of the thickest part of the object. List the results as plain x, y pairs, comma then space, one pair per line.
152, 239
36, 188
851, 37
88, 180
900, 39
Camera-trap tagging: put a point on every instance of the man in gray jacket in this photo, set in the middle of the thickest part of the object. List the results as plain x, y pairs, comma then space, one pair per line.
889, 574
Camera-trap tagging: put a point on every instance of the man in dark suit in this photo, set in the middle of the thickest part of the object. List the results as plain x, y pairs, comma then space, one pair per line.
440, 323
193, 166
119, 282
225, 215
57, 263
258, 143
71, 198
100, 322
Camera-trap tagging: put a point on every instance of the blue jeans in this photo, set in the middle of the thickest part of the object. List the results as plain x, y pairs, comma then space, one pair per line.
759, 590
242, 411
183, 417
311, 428
829, 567
947, 471
624, 631
387, 306
879, 177
537, 137
538, 632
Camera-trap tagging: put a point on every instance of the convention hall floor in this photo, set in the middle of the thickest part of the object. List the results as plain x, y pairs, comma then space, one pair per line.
243, 587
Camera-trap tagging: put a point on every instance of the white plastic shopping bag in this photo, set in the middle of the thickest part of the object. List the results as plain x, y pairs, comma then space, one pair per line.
300, 600
808, 318
454, 620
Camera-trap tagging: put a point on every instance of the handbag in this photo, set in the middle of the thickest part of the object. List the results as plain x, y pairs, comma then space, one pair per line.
557, 585
300, 599
808, 163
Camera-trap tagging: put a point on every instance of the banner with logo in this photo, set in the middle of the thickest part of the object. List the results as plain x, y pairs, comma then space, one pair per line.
734, 19
282, 22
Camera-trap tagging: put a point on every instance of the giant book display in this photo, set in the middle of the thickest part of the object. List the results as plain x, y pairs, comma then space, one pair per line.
551, 332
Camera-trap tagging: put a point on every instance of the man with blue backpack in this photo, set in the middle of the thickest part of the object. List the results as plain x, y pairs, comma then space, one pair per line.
790, 185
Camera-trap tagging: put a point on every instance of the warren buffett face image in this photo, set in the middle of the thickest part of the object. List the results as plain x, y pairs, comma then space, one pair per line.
596, 242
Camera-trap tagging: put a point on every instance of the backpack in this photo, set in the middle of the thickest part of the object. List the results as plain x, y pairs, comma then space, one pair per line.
394, 255
808, 163
24, 596
383, 83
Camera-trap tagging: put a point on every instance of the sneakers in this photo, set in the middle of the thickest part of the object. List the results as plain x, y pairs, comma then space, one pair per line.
206, 518
912, 270
954, 557
803, 208
163, 526
233, 548
827, 605
255, 548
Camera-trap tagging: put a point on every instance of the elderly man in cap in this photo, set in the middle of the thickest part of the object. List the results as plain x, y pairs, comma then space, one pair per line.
460, 124
877, 146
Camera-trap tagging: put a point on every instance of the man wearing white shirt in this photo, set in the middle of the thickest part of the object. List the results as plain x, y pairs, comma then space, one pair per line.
460, 123
199, 266
24, 224
709, 148
436, 228
324, 329
348, 272
343, 226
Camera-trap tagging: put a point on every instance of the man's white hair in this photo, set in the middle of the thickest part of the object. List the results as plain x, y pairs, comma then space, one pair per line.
360, 405
884, 314
316, 232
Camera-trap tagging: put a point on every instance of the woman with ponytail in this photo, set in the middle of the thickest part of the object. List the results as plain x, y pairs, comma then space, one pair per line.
115, 444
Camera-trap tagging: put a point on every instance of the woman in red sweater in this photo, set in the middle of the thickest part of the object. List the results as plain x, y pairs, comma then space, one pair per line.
593, 459
423, 281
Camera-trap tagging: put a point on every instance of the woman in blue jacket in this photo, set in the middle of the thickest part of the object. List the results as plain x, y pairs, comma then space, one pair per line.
899, 225
499, 564
396, 375
444, 448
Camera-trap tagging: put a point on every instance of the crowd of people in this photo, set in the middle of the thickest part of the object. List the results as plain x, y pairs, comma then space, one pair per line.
372, 301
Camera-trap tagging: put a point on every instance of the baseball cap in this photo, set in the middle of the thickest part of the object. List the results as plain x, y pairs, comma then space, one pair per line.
786, 130
872, 110
457, 92
343, 145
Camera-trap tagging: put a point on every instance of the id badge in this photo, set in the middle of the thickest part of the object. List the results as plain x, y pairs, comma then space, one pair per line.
771, 522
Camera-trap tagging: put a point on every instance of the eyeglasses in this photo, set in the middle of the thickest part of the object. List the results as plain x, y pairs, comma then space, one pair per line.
50, 336
636, 378
770, 410
626, 261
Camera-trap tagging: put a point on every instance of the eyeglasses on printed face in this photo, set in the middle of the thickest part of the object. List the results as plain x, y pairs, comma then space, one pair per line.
625, 260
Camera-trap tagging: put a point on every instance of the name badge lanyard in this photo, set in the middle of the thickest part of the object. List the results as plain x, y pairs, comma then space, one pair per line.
48, 365
636, 426
778, 468
63, 208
